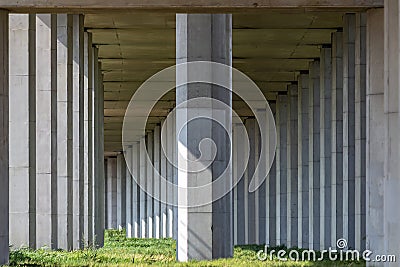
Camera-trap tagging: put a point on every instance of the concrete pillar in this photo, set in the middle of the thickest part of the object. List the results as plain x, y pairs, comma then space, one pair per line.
349, 128
156, 181
375, 153
149, 184
314, 155
78, 130
292, 165
325, 143
360, 130
99, 167
88, 154
112, 193
46, 131
135, 190
271, 197
143, 197
303, 154
121, 192
4, 172
204, 232
163, 183
240, 191
281, 172
22, 97
128, 192
391, 219
337, 138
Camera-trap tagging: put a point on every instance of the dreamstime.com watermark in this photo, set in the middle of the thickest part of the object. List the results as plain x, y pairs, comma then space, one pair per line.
339, 254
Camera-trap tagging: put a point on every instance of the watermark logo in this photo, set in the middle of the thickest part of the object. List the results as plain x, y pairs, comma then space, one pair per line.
206, 151
340, 253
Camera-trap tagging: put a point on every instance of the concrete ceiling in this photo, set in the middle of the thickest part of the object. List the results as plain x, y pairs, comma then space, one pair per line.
271, 47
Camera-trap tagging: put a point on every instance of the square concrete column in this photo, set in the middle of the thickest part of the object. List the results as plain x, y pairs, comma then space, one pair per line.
4, 172
99, 172
149, 184
205, 232
163, 183
314, 155
349, 128
88, 137
281, 171
46, 131
170, 178
271, 194
391, 218
22, 135
156, 181
292, 165
360, 130
112, 193
375, 152
128, 192
143, 180
121, 192
78, 130
337, 138
303, 154
325, 148
135, 190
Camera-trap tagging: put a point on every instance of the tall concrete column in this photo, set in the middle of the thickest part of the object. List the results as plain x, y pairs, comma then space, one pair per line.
391, 218
261, 202
281, 171
88, 154
170, 178
4, 172
156, 184
121, 192
65, 155
135, 190
22, 135
204, 232
360, 130
271, 196
337, 138
292, 165
46, 131
325, 149
149, 184
303, 154
112, 193
143, 181
163, 185
314, 155
375, 152
128, 192
99, 167
349, 129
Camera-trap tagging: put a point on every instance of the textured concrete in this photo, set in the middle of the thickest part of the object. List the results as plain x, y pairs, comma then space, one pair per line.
303, 154
360, 130
135, 190
325, 149
204, 232
314, 155
375, 154
156, 177
128, 191
143, 178
391, 218
22, 163
121, 192
149, 184
163, 184
292, 165
111, 193
349, 128
337, 138
281, 171
4, 157
46, 132
250, 200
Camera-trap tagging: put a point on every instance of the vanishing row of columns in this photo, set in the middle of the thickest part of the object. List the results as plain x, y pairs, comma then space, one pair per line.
55, 134
137, 208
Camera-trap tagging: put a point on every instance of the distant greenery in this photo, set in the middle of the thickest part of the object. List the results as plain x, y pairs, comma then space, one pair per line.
121, 251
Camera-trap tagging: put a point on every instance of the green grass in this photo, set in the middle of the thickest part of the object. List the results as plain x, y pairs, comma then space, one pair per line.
121, 251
